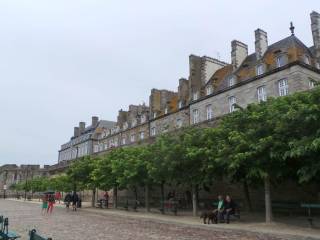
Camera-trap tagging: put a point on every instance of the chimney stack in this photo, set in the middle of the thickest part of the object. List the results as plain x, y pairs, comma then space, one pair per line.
76, 132
261, 42
94, 121
82, 126
315, 28
239, 51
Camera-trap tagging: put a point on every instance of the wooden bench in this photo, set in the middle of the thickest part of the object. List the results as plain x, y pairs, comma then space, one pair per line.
34, 236
5, 234
101, 203
169, 206
310, 206
236, 215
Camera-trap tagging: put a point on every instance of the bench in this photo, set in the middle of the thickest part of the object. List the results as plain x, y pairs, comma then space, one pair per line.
35, 236
310, 206
5, 234
101, 203
236, 215
133, 204
169, 206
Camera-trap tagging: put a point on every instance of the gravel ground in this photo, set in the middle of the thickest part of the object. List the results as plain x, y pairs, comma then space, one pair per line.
86, 225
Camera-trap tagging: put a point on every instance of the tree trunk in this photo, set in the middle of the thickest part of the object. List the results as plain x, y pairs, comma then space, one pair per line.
162, 196
93, 200
247, 195
194, 200
147, 188
135, 191
115, 197
268, 199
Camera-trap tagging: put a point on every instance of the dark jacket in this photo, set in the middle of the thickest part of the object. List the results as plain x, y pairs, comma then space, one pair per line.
68, 198
229, 205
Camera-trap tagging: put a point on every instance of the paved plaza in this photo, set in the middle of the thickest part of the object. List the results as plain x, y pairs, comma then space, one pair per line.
63, 225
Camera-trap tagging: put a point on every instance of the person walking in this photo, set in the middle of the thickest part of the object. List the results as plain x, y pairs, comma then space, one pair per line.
67, 201
51, 202
75, 199
44, 204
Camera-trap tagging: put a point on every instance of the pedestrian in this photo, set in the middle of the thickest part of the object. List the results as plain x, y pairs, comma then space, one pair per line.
44, 204
229, 208
67, 201
106, 199
58, 196
51, 202
75, 199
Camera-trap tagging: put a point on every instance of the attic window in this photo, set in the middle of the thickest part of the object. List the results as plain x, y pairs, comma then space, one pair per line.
180, 104
166, 110
306, 59
231, 81
208, 90
281, 61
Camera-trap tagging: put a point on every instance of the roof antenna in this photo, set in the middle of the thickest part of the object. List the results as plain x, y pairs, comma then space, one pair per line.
291, 28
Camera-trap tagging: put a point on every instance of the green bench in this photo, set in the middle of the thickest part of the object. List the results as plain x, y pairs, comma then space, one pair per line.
35, 236
169, 206
310, 206
5, 234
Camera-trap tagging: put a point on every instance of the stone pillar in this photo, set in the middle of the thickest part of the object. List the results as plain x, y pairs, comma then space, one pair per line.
239, 51
315, 28
261, 42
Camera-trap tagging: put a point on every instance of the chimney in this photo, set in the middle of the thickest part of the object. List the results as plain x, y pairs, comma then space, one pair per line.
315, 28
76, 132
94, 121
239, 51
261, 42
82, 126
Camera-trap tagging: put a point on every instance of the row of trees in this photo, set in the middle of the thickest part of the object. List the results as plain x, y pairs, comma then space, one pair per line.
265, 143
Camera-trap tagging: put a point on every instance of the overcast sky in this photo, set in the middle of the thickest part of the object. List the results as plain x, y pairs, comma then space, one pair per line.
63, 61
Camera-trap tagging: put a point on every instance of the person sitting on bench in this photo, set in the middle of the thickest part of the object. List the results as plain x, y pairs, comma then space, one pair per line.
218, 212
229, 208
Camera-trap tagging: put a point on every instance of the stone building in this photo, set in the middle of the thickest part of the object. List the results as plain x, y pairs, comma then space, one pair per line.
83, 140
12, 174
212, 90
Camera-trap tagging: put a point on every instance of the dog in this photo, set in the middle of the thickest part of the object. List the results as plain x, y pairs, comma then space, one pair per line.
207, 215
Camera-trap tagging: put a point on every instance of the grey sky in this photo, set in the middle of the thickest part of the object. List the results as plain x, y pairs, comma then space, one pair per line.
63, 61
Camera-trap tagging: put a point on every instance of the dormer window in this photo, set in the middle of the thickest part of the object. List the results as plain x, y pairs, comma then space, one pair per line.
125, 126
208, 90
306, 59
318, 65
166, 110
143, 118
259, 69
281, 61
154, 115
180, 104
134, 122
195, 96
231, 81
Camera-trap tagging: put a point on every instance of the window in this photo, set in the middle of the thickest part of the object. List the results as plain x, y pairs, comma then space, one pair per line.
143, 118
123, 141
125, 126
283, 87
96, 148
318, 65
180, 104
178, 123
306, 59
132, 138
141, 135
232, 102
311, 83
261, 93
166, 110
231, 81
154, 115
153, 131
209, 111
195, 96
208, 90
134, 122
281, 61
260, 69
195, 115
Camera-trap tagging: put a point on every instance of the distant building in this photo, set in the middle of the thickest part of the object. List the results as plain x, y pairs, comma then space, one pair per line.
12, 174
84, 138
